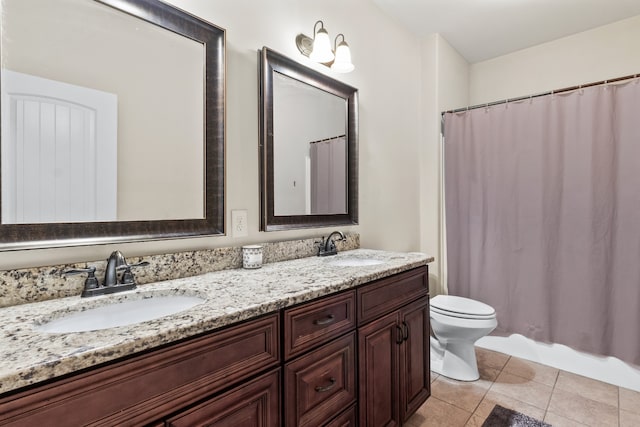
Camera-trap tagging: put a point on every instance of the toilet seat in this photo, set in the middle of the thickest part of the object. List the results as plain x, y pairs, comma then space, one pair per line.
464, 308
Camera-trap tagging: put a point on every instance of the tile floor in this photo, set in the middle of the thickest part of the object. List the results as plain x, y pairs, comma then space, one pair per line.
558, 397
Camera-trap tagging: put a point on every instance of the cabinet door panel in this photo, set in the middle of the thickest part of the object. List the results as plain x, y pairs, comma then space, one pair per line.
378, 371
255, 404
415, 385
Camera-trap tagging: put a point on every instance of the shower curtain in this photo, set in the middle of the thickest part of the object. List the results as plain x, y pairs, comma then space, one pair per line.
328, 176
542, 203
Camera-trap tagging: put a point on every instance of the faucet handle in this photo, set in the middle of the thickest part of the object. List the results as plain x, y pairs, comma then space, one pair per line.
127, 276
91, 281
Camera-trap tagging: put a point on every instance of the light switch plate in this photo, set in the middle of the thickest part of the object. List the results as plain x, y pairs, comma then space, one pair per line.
239, 226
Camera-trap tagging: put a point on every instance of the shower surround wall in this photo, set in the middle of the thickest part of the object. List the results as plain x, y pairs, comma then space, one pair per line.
28, 285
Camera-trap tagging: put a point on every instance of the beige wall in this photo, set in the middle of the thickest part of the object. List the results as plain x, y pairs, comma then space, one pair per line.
445, 75
602, 53
388, 76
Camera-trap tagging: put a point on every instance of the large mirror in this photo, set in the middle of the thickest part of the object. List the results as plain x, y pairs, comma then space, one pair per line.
309, 146
112, 123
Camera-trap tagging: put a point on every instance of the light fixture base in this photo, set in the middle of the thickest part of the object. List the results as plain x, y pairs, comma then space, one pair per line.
305, 44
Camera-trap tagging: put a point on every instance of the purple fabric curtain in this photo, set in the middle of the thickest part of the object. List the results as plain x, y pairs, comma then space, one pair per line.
328, 176
543, 216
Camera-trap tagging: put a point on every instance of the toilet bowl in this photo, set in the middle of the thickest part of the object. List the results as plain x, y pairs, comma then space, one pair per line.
457, 324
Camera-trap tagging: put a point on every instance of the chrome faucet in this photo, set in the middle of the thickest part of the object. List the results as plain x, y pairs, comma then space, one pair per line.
111, 284
116, 261
328, 246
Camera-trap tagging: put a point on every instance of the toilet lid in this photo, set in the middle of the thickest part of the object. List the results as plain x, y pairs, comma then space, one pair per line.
461, 307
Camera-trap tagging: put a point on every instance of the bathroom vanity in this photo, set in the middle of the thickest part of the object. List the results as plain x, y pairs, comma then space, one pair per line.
304, 342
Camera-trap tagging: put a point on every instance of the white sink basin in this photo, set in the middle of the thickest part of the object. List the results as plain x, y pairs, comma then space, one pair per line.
120, 314
354, 262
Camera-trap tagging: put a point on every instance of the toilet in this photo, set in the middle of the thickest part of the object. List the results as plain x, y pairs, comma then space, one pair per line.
457, 324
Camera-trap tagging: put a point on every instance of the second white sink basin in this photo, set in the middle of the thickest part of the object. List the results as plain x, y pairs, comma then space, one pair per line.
120, 314
354, 262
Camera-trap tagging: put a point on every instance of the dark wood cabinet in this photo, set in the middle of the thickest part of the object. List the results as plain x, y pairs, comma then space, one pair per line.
378, 363
393, 361
415, 378
150, 386
254, 404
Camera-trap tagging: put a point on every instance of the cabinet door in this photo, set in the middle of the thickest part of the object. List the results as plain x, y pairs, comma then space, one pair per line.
379, 345
415, 385
255, 404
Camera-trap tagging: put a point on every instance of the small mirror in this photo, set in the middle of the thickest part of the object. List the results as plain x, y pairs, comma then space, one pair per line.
309, 147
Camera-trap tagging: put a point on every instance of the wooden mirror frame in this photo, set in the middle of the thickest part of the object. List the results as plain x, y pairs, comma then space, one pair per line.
270, 62
47, 235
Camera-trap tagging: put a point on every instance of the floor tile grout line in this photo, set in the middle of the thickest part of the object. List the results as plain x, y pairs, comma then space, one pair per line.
553, 389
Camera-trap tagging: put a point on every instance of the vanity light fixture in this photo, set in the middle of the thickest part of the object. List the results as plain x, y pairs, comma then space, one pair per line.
318, 49
342, 63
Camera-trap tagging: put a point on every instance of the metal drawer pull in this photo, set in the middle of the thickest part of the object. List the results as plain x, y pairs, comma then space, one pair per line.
322, 389
330, 318
400, 335
405, 329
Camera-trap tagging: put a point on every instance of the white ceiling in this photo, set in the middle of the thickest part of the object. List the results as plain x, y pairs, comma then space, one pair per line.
483, 29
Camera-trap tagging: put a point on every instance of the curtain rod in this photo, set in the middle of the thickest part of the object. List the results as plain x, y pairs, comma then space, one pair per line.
328, 139
522, 98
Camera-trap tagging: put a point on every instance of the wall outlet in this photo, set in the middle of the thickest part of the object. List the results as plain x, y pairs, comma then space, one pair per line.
239, 226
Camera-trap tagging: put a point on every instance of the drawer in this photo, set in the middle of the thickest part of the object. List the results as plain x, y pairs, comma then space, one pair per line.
256, 403
385, 295
345, 419
147, 387
316, 323
320, 384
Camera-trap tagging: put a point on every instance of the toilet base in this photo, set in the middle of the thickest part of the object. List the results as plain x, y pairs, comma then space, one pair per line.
456, 361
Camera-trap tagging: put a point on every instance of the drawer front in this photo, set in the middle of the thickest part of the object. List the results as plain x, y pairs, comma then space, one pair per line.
256, 403
316, 323
346, 419
147, 387
320, 384
385, 295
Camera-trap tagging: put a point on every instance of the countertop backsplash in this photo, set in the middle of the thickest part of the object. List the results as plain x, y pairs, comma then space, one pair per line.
45, 283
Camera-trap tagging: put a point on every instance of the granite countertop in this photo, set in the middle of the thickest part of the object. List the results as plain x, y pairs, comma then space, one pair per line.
29, 356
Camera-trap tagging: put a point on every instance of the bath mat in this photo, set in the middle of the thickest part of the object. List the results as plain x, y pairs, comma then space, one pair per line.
503, 417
